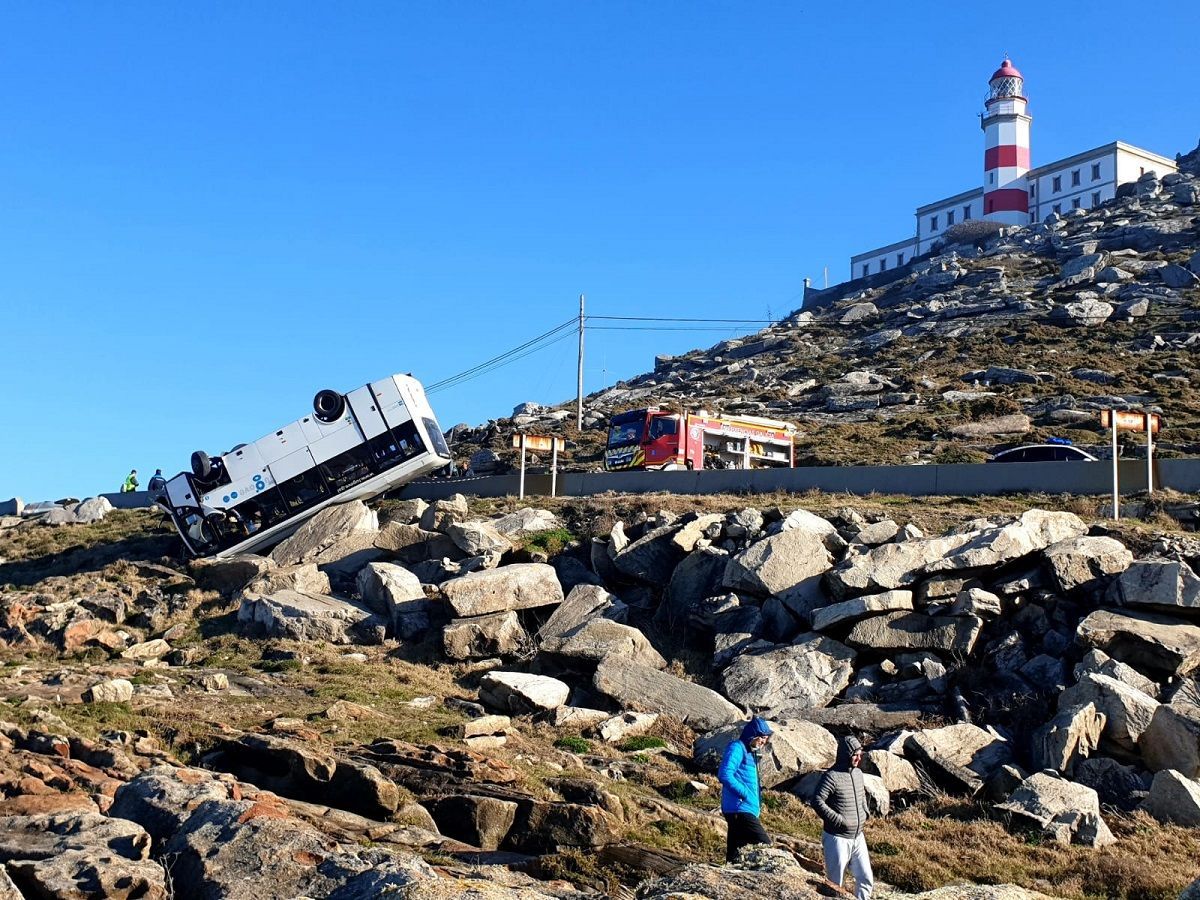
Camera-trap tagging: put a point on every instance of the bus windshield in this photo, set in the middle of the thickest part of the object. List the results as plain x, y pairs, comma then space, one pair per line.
619, 435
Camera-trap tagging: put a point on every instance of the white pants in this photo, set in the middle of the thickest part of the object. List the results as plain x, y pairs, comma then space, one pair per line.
843, 851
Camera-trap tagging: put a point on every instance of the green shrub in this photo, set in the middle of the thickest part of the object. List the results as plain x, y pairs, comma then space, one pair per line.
573, 744
550, 542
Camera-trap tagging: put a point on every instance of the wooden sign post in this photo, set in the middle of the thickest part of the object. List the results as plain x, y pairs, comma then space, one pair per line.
539, 442
1131, 420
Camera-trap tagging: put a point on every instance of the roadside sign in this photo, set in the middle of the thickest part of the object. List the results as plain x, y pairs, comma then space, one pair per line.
538, 442
543, 442
1129, 420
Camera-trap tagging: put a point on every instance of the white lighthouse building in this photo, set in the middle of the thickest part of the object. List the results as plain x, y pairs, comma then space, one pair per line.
1013, 193
1005, 124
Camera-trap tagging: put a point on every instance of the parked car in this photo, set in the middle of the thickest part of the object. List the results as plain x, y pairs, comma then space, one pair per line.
1043, 453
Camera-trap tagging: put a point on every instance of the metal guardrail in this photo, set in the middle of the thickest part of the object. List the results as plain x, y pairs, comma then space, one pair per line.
971, 479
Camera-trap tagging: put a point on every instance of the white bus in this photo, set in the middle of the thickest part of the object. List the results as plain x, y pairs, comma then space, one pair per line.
352, 446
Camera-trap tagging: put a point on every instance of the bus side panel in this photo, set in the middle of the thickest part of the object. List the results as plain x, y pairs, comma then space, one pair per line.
243, 463
281, 443
387, 393
396, 412
370, 420
230, 495
292, 465
314, 429
329, 447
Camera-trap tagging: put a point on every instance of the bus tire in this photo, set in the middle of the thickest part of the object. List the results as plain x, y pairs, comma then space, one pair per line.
202, 466
328, 406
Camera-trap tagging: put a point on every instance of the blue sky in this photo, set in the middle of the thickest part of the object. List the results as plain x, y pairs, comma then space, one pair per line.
210, 211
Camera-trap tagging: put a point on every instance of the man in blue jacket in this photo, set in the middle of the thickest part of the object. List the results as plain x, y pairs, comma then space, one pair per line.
740, 793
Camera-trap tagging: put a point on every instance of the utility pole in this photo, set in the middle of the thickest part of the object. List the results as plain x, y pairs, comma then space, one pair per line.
579, 394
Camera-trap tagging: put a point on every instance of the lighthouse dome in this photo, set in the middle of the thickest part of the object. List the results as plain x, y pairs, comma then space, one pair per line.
1006, 70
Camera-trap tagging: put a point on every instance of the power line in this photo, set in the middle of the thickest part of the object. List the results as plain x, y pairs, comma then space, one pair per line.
656, 328
667, 319
521, 350
500, 362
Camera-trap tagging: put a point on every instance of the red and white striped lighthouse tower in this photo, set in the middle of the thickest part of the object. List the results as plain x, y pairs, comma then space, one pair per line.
1006, 148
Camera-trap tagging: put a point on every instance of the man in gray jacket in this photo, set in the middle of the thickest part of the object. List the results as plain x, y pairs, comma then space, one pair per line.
841, 802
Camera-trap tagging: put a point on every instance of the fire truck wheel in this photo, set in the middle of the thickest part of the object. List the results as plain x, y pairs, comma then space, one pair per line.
328, 406
689, 465
201, 465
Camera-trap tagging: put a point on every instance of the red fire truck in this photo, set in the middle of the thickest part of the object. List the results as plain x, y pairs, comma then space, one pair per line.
659, 439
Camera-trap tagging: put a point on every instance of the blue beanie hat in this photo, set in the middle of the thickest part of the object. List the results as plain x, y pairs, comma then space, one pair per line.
756, 727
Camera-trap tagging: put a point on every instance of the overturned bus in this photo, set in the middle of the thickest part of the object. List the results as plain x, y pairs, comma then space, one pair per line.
352, 446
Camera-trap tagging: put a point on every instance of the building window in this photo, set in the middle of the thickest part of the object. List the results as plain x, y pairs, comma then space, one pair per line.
883, 264
1095, 171
1142, 170
1032, 188
1095, 198
991, 177
1075, 178
899, 259
866, 270
1075, 203
933, 223
1058, 207
1057, 185
966, 212
949, 217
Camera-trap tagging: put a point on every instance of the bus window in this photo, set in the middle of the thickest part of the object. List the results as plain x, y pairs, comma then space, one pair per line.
304, 490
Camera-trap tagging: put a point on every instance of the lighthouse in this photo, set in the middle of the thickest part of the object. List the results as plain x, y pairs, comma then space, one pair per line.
1005, 126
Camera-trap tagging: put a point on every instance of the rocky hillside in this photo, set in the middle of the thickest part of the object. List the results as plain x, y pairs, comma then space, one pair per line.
1001, 338
433, 701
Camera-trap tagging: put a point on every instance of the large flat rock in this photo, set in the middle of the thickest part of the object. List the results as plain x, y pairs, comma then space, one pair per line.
641, 687
1153, 644
891, 566
1164, 584
1127, 711
312, 617
519, 586
1033, 530
652, 557
324, 531
520, 692
849, 611
1064, 811
960, 757
1085, 563
916, 631
779, 564
808, 674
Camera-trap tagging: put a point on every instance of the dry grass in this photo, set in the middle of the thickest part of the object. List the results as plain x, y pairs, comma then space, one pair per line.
945, 840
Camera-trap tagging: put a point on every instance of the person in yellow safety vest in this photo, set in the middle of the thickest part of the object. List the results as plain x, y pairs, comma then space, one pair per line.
131, 482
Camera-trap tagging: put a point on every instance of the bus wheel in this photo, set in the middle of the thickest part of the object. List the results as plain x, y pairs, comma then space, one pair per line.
329, 405
201, 465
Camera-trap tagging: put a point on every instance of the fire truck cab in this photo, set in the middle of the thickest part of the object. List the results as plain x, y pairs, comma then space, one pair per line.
352, 446
659, 439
